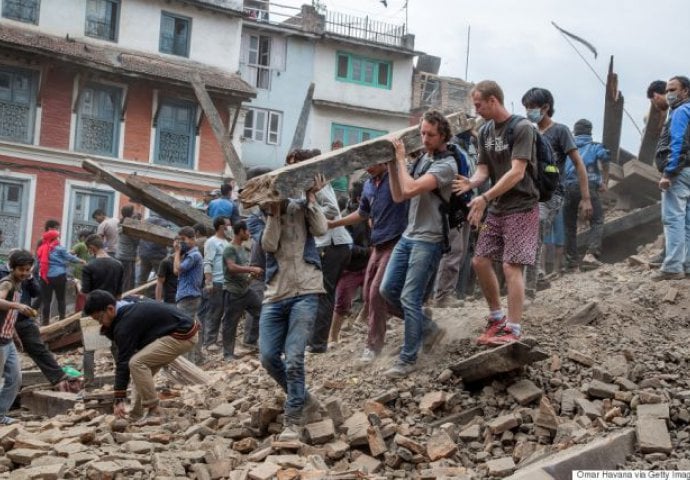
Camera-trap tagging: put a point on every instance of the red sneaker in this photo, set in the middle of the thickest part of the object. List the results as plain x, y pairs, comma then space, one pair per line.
492, 328
502, 336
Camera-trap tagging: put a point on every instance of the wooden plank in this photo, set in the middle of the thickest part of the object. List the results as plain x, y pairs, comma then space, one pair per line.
632, 221
149, 232
109, 178
652, 132
91, 335
505, 358
613, 114
290, 181
186, 373
639, 186
218, 128
300, 129
166, 205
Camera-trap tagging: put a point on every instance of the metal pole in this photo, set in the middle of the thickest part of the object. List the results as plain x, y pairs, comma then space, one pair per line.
467, 55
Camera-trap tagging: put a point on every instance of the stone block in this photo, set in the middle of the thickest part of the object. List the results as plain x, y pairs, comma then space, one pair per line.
334, 408
264, 471
470, 434
653, 436
525, 392
356, 427
501, 467
587, 408
409, 444
598, 389
501, 424
440, 446
432, 401
505, 358
367, 464
53, 471
320, 432
377, 445
580, 358
654, 410
223, 410
24, 456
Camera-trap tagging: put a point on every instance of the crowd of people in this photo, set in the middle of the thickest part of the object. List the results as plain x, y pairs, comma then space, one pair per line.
293, 267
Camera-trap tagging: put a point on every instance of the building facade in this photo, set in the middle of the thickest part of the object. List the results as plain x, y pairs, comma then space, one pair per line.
109, 80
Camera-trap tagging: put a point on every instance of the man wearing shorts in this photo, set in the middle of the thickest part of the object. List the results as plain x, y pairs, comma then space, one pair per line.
510, 233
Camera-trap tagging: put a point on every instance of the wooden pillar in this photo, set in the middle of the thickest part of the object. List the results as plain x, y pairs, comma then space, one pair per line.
613, 114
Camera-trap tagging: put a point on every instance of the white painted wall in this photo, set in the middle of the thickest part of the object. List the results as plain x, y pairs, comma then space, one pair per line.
215, 37
397, 99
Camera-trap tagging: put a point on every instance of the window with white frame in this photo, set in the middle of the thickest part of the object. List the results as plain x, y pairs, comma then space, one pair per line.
175, 133
83, 201
17, 104
14, 201
175, 34
98, 120
21, 10
263, 126
102, 17
260, 61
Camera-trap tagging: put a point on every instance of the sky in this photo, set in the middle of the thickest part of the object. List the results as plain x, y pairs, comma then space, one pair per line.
514, 43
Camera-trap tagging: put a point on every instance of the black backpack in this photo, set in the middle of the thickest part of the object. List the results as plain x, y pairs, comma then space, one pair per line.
547, 177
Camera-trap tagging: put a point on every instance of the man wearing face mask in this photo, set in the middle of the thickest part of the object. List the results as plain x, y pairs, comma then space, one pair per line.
673, 161
189, 268
213, 278
540, 109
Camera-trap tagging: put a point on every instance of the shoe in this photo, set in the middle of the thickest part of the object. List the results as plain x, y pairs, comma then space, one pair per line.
229, 358
449, 301
657, 259
368, 356
503, 336
290, 433
432, 337
591, 261
400, 369
661, 275
315, 350
5, 420
492, 328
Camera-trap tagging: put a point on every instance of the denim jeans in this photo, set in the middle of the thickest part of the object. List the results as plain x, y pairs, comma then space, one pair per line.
214, 306
547, 215
11, 376
285, 326
675, 214
596, 223
410, 269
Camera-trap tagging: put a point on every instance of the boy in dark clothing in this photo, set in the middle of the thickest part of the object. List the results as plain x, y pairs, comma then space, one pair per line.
148, 336
166, 283
103, 272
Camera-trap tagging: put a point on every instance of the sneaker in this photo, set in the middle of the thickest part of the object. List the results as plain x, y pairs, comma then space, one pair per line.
661, 275
315, 350
657, 259
502, 336
432, 337
591, 261
400, 369
368, 356
250, 347
290, 433
5, 420
492, 328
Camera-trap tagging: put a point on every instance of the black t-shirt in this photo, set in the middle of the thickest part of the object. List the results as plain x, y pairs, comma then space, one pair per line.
562, 143
167, 272
102, 273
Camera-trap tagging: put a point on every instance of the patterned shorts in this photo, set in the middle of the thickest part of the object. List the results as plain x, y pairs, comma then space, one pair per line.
511, 238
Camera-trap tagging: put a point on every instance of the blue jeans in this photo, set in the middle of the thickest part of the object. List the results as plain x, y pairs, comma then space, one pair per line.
411, 267
675, 213
11, 376
285, 327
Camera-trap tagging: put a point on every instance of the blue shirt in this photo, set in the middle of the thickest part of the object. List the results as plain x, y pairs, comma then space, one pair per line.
592, 153
221, 207
58, 260
389, 219
191, 276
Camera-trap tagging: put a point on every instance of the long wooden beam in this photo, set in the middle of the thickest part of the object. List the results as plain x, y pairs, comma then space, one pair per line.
652, 132
149, 232
109, 178
613, 114
292, 180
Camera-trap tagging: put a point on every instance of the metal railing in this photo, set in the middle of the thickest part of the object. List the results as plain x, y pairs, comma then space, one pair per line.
364, 28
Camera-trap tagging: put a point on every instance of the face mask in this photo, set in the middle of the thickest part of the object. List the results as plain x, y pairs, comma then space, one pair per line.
228, 232
184, 248
534, 115
672, 98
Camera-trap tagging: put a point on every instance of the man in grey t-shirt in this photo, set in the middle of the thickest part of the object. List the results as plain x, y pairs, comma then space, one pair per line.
414, 259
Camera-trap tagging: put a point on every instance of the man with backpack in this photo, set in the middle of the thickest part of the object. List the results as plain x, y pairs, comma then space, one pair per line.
510, 233
411, 265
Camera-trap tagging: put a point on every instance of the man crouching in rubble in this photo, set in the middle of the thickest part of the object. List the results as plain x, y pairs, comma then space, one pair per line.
148, 336
293, 285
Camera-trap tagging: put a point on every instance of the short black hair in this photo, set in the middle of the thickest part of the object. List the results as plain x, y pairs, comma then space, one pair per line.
225, 189
84, 233
683, 80
218, 222
657, 86
51, 224
539, 97
188, 232
239, 226
94, 240
20, 258
200, 229
98, 301
97, 213
127, 211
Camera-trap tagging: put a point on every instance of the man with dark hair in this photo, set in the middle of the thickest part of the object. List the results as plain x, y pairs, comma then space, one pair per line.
656, 93
510, 233
20, 262
212, 296
166, 281
103, 272
539, 105
148, 335
673, 161
108, 229
127, 249
188, 265
224, 206
239, 298
413, 262
593, 155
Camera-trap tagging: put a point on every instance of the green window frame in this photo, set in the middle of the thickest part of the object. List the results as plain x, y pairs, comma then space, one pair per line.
17, 104
175, 34
102, 19
98, 120
363, 71
26, 11
175, 133
351, 135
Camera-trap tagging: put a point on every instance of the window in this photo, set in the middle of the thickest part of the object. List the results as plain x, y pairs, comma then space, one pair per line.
263, 125
14, 201
82, 203
17, 104
22, 10
98, 120
175, 34
350, 135
260, 61
175, 133
365, 71
102, 17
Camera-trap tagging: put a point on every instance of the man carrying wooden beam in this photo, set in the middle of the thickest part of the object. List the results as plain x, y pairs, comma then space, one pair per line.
413, 263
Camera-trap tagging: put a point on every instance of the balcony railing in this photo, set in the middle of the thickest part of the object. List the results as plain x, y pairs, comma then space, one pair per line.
364, 28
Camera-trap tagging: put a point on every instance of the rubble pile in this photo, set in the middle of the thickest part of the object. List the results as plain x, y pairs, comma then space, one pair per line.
610, 390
